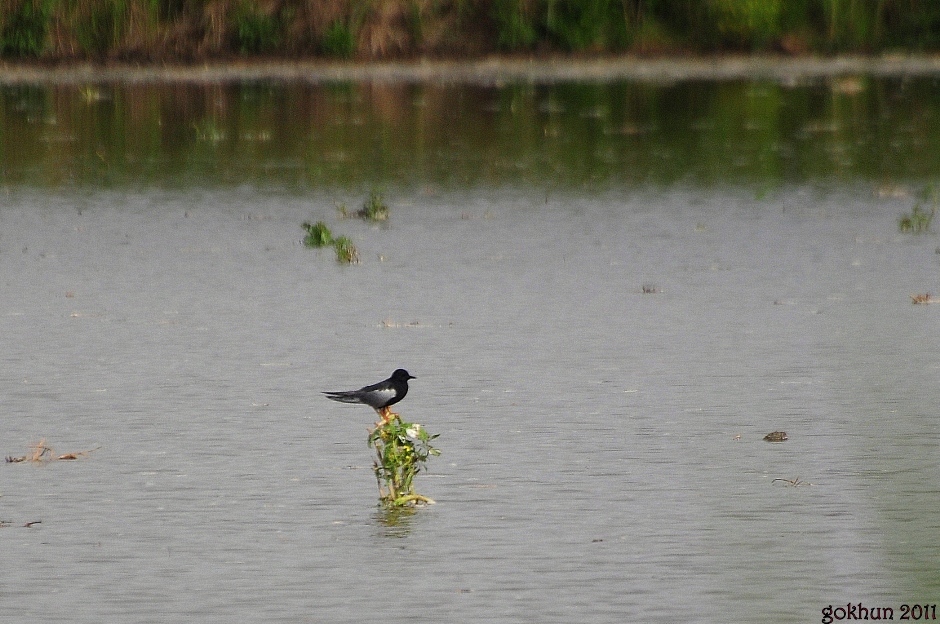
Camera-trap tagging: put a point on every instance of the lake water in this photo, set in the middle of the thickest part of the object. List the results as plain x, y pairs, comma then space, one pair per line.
602, 460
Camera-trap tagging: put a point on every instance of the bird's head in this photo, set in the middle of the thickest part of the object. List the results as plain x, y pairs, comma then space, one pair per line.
402, 375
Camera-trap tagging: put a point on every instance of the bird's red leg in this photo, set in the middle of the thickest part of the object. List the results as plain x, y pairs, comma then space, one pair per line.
385, 414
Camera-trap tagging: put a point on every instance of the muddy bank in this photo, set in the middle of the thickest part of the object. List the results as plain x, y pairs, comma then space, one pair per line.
489, 70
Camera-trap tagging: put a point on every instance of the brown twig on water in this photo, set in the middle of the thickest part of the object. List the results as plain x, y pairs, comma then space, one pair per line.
40, 453
78, 455
37, 453
792, 482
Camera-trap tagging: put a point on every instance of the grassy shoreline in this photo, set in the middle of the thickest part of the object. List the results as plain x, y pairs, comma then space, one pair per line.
492, 69
197, 31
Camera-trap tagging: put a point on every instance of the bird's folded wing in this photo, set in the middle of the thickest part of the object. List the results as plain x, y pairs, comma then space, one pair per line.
378, 396
345, 397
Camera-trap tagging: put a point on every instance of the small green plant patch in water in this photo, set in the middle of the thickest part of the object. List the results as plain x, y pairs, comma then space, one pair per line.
920, 218
401, 451
346, 252
374, 209
918, 221
318, 235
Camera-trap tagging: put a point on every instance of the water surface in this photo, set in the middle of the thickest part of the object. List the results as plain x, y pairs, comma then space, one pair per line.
602, 448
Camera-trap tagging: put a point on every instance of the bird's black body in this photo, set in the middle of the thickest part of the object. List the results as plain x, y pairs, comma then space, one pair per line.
378, 396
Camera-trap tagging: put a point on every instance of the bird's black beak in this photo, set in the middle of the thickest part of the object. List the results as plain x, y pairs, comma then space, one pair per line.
411, 377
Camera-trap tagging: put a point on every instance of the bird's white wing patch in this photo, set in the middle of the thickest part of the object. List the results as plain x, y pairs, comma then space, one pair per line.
385, 394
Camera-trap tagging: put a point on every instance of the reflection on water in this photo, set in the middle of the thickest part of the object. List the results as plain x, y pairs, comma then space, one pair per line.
395, 521
579, 135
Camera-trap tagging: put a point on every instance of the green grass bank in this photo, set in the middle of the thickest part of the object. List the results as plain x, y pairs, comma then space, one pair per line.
184, 31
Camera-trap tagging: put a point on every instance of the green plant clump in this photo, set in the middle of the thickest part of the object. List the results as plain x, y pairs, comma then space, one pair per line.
24, 32
346, 252
374, 209
401, 451
318, 235
64, 29
918, 221
100, 26
581, 24
746, 23
255, 31
338, 41
515, 25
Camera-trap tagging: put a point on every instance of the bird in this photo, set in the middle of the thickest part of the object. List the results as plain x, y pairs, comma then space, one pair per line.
380, 396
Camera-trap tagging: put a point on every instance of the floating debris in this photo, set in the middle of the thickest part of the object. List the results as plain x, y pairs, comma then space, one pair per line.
37, 452
6, 523
776, 436
390, 323
40, 453
924, 298
791, 482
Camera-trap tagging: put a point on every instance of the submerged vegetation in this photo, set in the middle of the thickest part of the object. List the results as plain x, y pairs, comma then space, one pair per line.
195, 30
401, 451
